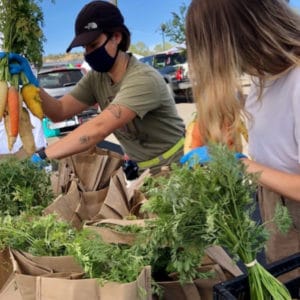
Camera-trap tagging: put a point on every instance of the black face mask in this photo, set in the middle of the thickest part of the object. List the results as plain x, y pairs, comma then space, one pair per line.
99, 60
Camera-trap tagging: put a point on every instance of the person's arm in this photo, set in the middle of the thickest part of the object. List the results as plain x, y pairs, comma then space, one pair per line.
60, 109
280, 182
92, 132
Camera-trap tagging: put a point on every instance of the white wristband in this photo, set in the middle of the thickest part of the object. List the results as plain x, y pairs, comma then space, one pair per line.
251, 264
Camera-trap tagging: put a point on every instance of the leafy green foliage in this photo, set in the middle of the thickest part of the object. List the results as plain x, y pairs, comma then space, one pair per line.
283, 219
36, 235
179, 204
23, 187
194, 209
175, 28
231, 224
21, 23
47, 236
207, 205
232, 205
122, 229
109, 262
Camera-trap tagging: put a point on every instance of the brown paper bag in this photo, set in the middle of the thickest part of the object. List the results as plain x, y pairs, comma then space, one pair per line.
222, 265
93, 202
109, 235
205, 286
219, 256
175, 290
10, 291
136, 197
64, 177
107, 197
35, 278
122, 200
136, 184
198, 289
92, 168
76, 206
42, 288
25, 263
5, 266
54, 177
116, 203
66, 206
217, 261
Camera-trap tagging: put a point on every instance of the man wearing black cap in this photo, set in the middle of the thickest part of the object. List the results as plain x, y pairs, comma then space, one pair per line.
135, 103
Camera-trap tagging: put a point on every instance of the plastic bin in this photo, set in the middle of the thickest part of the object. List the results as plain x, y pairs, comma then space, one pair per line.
49, 132
238, 288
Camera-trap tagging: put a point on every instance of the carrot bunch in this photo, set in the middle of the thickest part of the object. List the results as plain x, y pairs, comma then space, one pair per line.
14, 111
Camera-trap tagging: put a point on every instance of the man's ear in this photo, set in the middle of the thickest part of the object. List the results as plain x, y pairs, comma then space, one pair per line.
117, 37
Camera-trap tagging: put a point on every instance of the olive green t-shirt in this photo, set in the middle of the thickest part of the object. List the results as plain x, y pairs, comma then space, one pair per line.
157, 126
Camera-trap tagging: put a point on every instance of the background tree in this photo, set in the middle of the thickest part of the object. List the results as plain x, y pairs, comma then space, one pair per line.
21, 23
175, 28
160, 47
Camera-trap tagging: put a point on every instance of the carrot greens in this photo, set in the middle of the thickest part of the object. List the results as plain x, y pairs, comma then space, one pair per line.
24, 187
211, 204
47, 236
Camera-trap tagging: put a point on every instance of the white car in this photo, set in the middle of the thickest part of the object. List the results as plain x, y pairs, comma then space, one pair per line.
58, 82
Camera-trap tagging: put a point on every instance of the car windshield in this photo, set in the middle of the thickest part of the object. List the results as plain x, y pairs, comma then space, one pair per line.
163, 60
59, 79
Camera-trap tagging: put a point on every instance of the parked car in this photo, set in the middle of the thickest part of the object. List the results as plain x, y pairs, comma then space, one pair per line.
172, 65
58, 82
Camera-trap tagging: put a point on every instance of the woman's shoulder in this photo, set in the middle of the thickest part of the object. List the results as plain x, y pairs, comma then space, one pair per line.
294, 73
290, 80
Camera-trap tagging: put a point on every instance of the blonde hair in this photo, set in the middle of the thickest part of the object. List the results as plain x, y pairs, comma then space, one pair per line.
226, 38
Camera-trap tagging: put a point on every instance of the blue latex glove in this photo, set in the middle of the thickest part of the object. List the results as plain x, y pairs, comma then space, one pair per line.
36, 159
18, 64
201, 156
198, 155
2, 54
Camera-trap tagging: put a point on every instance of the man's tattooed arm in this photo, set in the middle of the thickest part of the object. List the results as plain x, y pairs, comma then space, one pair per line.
84, 139
116, 110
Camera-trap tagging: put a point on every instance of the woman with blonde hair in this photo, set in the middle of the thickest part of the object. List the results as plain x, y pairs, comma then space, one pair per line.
261, 38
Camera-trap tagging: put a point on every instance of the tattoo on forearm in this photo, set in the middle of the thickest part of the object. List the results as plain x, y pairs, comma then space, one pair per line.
84, 139
115, 109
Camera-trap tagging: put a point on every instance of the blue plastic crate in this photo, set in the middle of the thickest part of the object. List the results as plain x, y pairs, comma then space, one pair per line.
47, 131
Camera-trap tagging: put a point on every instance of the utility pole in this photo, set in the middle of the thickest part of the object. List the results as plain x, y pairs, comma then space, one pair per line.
163, 28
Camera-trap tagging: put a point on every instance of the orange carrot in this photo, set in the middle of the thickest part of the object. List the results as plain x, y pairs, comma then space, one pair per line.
197, 140
13, 108
10, 139
193, 138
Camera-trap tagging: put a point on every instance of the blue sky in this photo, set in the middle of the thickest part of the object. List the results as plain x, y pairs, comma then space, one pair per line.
142, 17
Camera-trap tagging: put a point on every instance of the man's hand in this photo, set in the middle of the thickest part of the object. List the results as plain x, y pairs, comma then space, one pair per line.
39, 158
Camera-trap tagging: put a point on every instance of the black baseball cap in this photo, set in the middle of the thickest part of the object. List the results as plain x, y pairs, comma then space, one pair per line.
93, 19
